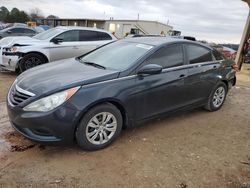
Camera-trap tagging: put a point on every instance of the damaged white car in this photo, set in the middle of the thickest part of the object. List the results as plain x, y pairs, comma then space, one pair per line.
22, 53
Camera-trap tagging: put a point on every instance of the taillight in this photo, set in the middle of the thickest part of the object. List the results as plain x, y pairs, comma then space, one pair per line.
235, 67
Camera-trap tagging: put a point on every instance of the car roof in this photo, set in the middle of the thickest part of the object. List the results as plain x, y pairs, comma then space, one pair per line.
14, 27
81, 28
158, 41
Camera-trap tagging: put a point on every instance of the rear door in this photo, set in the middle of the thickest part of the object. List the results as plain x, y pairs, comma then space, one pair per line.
165, 91
201, 72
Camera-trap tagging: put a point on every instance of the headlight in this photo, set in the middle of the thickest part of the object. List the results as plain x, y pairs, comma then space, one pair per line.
13, 49
50, 102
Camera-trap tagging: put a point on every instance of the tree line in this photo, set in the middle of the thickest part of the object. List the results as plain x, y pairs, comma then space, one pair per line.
20, 16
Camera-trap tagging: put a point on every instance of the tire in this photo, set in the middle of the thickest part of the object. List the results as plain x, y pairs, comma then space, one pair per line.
31, 60
217, 95
90, 131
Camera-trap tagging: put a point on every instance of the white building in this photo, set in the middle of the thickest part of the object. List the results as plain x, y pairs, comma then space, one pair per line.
123, 27
120, 27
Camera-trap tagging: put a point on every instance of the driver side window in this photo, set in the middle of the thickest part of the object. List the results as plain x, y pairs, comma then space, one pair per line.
69, 36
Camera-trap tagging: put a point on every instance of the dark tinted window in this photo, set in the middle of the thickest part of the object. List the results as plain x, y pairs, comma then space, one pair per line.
104, 36
198, 54
168, 56
88, 35
217, 55
28, 31
22, 30
16, 30
69, 36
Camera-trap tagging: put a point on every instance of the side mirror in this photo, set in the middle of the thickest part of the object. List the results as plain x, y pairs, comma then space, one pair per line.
9, 31
150, 69
57, 40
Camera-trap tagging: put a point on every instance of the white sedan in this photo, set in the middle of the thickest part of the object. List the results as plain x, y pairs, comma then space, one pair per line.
22, 53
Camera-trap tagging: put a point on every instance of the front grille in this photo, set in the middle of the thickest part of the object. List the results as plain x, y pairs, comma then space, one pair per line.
17, 97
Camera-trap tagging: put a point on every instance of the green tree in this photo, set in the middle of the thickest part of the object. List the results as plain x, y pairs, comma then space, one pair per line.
4, 12
16, 16
23, 17
52, 17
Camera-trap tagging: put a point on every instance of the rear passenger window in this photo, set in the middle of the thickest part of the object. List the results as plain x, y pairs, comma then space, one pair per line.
29, 31
16, 30
104, 36
167, 57
198, 54
88, 35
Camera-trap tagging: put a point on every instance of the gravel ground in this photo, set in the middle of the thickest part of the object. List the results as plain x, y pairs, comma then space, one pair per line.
188, 149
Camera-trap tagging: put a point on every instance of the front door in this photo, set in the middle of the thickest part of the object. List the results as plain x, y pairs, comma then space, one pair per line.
165, 91
69, 47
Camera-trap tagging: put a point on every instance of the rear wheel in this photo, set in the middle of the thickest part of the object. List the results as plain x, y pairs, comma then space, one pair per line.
31, 60
99, 127
217, 97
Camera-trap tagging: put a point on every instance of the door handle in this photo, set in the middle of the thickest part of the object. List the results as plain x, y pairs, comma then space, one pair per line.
182, 76
75, 47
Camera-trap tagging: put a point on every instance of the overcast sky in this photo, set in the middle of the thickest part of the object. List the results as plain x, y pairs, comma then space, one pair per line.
213, 20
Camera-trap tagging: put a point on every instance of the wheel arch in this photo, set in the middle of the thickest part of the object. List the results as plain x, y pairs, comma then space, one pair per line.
225, 82
32, 52
118, 104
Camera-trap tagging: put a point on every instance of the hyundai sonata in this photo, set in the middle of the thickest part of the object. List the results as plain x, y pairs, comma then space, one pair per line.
91, 98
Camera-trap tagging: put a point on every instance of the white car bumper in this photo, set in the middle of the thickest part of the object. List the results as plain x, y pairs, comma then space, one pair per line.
8, 62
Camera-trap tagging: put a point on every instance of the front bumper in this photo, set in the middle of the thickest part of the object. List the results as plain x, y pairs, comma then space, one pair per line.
9, 62
56, 126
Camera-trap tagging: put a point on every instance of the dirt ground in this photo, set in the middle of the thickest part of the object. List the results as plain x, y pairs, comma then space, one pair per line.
191, 149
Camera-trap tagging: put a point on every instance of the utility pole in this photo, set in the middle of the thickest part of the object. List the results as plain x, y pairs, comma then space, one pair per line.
239, 57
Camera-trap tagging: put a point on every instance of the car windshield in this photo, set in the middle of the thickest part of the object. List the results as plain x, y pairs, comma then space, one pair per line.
119, 55
48, 34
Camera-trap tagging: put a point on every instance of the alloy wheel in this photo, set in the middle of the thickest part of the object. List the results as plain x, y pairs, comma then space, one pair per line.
32, 62
101, 128
219, 96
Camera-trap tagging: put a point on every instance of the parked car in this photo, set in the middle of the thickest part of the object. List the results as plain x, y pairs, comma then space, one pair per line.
141, 35
185, 37
247, 57
17, 31
92, 97
229, 52
22, 53
232, 46
38, 29
45, 27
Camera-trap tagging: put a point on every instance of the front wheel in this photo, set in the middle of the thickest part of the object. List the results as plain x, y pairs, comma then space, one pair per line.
99, 127
217, 97
31, 60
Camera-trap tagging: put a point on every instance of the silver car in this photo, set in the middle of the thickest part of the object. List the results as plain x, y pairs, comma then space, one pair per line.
17, 31
22, 53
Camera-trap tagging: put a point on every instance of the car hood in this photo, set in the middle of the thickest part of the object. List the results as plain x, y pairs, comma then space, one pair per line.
55, 76
9, 41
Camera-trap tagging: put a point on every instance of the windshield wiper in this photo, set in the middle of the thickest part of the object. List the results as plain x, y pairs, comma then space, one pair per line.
94, 64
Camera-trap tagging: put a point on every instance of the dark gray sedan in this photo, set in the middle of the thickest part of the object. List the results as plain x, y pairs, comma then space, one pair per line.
91, 98
17, 31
